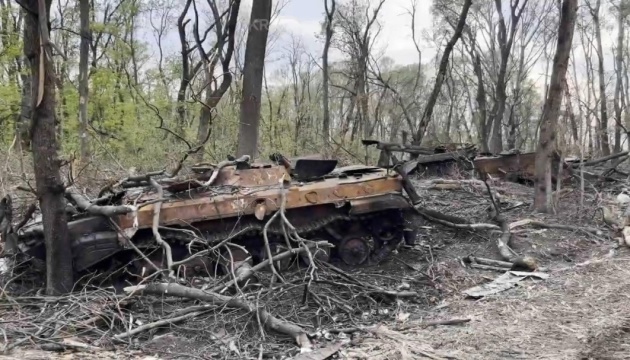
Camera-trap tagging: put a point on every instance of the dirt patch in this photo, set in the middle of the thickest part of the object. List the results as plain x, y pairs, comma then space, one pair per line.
580, 312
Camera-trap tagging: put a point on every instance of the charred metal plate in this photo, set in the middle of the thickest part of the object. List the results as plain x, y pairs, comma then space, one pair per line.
253, 177
231, 176
329, 191
308, 168
378, 203
76, 227
94, 247
357, 169
509, 166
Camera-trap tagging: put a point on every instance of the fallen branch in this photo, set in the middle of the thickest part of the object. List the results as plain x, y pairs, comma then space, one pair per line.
411, 325
66, 344
371, 288
221, 165
182, 315
155, 227
28, 214
435, 216
135, 179
600, 160
425, 324
613, 167
85, 205
490, 267
541, 224
518, 263
504, 240
430, 215
489, 262
289, 253
269, 321
268, 247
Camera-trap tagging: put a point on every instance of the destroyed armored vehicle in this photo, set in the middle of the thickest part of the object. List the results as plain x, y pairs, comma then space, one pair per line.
359, 209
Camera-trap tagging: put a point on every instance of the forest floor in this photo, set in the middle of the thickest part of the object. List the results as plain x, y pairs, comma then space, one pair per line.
581, 311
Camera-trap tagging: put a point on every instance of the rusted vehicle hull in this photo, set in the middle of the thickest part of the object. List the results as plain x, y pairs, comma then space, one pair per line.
360, 210
519, 167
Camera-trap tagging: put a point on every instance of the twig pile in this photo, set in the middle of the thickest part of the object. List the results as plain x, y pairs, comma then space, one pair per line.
296, 304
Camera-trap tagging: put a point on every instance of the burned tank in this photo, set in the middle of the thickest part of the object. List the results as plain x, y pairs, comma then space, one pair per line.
359, 209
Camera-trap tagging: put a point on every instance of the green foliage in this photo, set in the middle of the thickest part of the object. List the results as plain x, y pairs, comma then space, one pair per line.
124, 116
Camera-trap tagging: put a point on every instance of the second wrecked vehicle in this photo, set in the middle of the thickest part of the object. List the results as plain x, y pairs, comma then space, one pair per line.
359, 209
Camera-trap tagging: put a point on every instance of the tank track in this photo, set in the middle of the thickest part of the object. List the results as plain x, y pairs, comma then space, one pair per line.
251, 227
249, 232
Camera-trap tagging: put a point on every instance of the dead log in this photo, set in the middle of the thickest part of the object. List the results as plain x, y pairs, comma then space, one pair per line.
541, 224
504, 240
490, 267
600, 160
266, 319
613, 167
181, 315
85, 205
155, 227
452, 221
436, 216
518, 263
489, 262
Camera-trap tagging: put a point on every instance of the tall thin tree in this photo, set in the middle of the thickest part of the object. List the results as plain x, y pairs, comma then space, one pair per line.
551, 110
441, 75
84, 53
330, 13
255, 50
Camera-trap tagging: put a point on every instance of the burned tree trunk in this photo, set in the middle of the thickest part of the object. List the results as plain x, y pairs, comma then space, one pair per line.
252, 78
551, 111
49, 185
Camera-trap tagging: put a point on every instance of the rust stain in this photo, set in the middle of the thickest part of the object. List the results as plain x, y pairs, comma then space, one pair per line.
251, 189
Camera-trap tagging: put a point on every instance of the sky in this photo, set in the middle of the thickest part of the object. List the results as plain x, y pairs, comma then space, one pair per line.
303, 18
